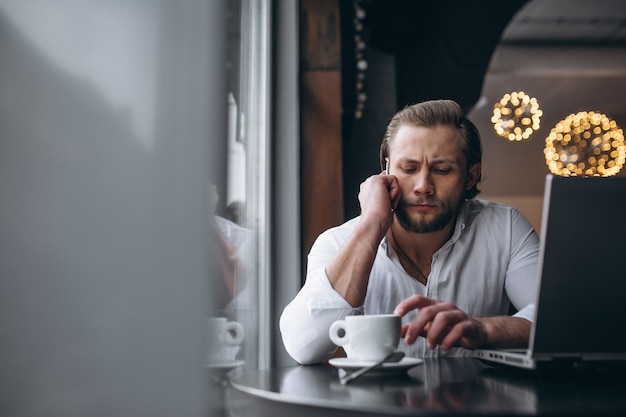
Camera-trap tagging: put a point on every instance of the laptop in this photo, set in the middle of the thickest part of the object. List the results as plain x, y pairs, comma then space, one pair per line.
580, 315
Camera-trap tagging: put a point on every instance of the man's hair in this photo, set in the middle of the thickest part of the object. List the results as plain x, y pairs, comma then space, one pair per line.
438, 113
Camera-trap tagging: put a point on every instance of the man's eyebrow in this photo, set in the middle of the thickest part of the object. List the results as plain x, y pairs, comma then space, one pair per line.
446, 161
441, 160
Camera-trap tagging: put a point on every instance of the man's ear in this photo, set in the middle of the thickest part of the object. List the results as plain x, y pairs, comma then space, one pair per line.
474, 175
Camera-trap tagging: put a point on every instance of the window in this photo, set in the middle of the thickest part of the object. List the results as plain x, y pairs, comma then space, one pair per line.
260, 198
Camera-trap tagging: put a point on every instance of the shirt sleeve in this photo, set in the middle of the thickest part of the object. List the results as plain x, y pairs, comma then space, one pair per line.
305, 321
527, 312
522, 275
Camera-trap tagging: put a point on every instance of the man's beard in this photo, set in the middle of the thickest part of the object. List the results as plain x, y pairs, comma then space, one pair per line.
448, 214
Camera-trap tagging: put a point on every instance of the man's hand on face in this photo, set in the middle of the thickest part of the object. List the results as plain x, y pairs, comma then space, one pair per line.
378, 196
441, 324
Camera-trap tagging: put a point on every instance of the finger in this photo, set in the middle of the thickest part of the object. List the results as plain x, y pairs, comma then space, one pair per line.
442, 325
394, 193
375, 201
415, 301
426, 329
471, 334
427, 317
403, 329
424, 318
456, 333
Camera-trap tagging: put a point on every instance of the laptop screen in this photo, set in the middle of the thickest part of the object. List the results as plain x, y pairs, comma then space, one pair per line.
581, 305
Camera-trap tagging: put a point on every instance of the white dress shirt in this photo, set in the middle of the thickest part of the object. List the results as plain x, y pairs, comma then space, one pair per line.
489, 263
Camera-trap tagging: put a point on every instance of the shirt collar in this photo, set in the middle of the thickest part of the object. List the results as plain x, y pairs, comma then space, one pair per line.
461, 221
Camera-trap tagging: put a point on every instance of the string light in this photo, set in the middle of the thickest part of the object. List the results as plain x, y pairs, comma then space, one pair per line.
359, 55
516, 116
585, 144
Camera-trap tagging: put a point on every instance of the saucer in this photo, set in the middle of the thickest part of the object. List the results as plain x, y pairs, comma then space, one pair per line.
223, 367
353, 364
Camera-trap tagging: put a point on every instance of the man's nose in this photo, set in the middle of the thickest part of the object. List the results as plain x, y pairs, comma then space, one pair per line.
423, 183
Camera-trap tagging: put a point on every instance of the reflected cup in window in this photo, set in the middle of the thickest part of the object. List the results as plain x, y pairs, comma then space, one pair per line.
224, 338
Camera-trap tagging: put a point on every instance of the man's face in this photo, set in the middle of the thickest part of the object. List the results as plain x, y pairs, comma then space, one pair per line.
431, 169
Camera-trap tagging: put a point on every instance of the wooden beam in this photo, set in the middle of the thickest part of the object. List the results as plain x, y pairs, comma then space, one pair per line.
321, 142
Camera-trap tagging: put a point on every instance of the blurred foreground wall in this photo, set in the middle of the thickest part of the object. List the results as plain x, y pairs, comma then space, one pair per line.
107, 114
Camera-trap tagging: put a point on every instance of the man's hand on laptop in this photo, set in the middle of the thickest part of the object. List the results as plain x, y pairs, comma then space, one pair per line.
441, 324
444, 324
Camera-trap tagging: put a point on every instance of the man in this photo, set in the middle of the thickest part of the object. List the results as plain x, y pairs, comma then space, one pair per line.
424, 248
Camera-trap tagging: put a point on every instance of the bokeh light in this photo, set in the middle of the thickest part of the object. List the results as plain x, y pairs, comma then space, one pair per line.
516, 116
585, 144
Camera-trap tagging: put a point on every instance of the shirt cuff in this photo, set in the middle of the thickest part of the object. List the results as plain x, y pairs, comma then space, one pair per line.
527, 313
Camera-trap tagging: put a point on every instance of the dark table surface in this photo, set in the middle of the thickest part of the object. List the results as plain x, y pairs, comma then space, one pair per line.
445, 386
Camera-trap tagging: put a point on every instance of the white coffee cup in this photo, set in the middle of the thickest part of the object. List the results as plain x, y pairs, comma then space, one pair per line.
371, 337
223, 336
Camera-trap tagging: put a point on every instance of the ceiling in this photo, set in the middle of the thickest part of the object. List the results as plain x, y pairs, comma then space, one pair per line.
571, 56
578, 22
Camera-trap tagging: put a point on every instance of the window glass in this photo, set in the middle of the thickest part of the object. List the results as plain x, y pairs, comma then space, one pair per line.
240, 197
